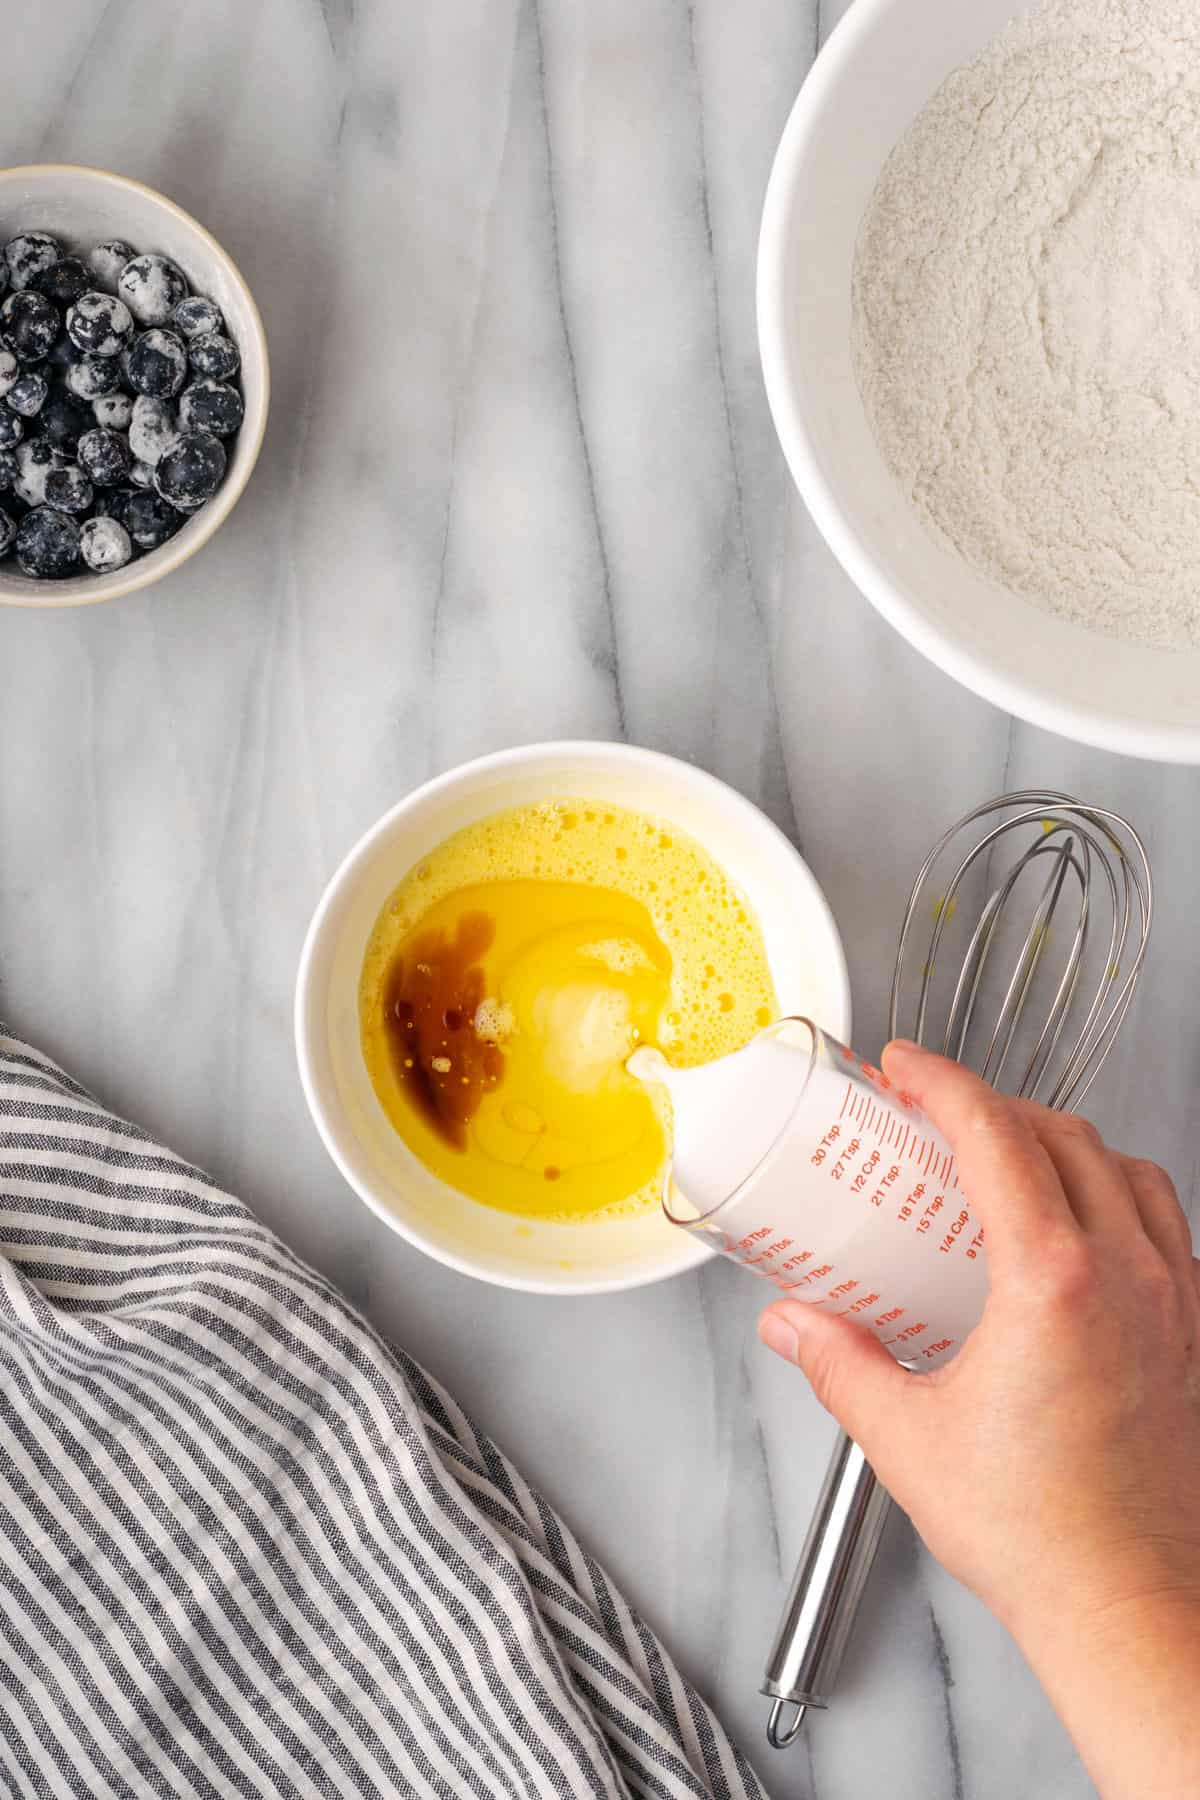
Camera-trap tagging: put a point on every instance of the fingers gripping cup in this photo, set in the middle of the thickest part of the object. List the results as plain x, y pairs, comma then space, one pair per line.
800, 1161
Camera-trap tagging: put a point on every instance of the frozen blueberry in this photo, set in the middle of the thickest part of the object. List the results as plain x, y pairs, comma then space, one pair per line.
8, 469
113, 503
113, 411
151, 287
191, 471
61, 355
195, 316
149, 520
10, 370
91, 377
104, 457
68, 489
28, 254
108, 259
100, 324
152, 428
157, 364
28, 393
64, 420
3, 276
48, 543
214, 355
63, 281
8, 531
29, 324
210, 406
35, 459
141, 474
104, 545
11, 429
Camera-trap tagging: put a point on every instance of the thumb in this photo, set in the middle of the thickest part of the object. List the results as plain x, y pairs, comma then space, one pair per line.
850, 1372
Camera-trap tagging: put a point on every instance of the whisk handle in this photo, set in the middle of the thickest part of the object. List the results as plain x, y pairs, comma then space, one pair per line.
838, 1552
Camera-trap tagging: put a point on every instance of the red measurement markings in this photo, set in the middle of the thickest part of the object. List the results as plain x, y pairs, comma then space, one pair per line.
931, 1211
817, 1274
870, 1164
889, 1318
888, 1181
798, 1261
769, 1251
838, 1169
910, 1203
910, 1331
859, 1305
936, 1349
954, 1232
825, 1146
975, 1247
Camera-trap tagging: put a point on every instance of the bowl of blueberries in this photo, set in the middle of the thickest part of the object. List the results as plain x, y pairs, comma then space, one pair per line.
133, 385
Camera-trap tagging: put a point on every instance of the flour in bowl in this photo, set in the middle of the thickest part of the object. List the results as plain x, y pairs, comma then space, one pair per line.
1027, 314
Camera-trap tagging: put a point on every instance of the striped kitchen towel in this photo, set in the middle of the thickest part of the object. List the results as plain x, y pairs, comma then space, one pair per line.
247, 1548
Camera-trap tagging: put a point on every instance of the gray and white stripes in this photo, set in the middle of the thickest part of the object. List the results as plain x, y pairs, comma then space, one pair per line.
246, 1548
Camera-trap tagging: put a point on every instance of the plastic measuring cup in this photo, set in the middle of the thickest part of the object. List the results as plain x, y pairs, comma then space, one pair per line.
802, 1162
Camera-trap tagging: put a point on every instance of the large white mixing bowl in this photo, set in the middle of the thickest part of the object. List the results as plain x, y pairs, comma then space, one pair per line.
881, 65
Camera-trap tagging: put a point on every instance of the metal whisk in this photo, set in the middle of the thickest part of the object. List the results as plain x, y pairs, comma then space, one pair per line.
1041, 986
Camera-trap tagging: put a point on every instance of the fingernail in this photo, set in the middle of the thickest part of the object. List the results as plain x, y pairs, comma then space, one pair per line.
780, 1337
906, 1047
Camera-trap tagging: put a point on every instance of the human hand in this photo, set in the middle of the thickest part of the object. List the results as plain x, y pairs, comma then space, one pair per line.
1054, 1465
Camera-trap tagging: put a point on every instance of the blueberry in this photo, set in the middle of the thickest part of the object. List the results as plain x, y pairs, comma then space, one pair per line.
28, 393
214, 355
113, 411
152, 287
35, 459
93, 376
196, 316
64, 420
104, 457
108, 259
149, 520
104, 544
152, 428
8, 469
48, 543
63, 281
100, 324
8, 531
113, 503
210, 406
11, 429
157, 364
28, 254
29, 324
61, 355
141, 474
10, 370
69, 489
191, 471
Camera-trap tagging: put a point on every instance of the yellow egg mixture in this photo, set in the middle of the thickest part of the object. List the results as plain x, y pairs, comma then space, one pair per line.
513, 972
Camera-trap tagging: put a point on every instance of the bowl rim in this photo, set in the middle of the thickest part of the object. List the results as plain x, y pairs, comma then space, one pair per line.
1034, 702
149, 569
307, 1003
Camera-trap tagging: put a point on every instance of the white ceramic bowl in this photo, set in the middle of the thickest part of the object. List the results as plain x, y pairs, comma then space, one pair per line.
84, 207
803, 948
880, 66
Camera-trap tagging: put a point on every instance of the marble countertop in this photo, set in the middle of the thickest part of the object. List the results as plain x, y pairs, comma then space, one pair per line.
519, 482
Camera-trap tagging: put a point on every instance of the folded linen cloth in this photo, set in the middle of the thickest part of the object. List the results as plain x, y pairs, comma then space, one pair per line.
247, 1548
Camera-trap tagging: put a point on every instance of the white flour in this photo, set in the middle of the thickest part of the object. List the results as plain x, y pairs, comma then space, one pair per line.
1027, 313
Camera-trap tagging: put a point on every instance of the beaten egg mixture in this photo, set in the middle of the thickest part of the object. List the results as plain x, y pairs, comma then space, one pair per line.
513, 972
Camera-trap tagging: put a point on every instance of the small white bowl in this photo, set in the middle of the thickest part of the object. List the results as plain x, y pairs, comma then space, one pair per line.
803, 948
84, 207
880, 67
